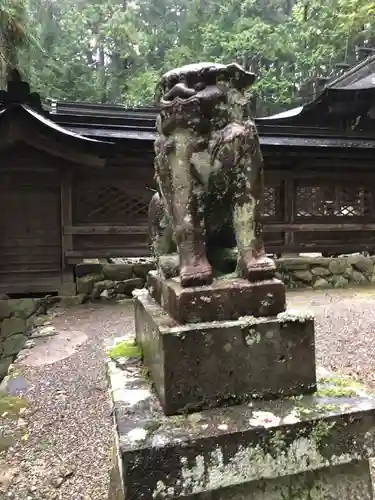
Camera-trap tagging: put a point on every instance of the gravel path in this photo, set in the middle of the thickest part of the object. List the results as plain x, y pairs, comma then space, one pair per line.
63, 440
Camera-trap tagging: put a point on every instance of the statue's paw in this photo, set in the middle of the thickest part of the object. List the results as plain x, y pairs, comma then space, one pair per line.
196, 275
257, 268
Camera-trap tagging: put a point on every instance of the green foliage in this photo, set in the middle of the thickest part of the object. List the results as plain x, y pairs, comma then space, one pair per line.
115, 50
124, 349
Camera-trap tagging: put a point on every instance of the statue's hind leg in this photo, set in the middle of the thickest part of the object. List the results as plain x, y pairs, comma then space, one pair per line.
241, 150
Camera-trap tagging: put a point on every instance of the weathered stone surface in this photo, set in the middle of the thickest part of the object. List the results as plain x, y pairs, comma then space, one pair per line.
320, 271
361, 263
126, 287
292, 264
100, 286
209, 364
359, 278
339, 281
169, 265
310, 448
86, 283
24, 308
5, 309
13, 344
13, 325
225, 299
118, 272
4, 366
86, 268
321, 284
342, 482
209, 186
348, 273
338, 266
304, 276
141, 267
71, 301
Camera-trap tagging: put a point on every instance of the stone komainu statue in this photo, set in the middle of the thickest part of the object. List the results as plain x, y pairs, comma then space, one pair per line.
209, 171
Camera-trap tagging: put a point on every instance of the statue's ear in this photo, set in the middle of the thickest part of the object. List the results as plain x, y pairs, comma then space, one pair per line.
240, 78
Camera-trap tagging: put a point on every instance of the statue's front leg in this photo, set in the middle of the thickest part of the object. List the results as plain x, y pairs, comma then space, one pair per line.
184, 197
241, 146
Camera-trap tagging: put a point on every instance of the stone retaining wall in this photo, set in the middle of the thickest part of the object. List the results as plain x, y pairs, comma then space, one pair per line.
105, 281
17, 318
326, 272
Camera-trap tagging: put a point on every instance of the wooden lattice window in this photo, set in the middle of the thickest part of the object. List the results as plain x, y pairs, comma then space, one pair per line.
333, 200
98, 202
269, 207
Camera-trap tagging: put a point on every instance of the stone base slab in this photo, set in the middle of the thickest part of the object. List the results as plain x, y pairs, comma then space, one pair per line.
225, 299
309, 448
204, 365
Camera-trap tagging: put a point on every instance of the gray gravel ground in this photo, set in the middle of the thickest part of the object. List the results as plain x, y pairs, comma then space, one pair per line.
63, 441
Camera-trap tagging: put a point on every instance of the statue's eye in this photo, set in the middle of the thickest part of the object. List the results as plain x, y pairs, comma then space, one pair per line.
199, 86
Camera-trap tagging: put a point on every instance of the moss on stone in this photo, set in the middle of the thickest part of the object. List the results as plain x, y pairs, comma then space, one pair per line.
334, 391
11, 406
124, 349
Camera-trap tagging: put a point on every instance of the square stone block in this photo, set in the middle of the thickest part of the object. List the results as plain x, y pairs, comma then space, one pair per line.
225, 299
314, 447
210, 364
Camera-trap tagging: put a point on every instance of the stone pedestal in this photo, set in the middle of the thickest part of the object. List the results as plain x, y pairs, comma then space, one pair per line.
312, 447
225, 299
225, 404
203, 365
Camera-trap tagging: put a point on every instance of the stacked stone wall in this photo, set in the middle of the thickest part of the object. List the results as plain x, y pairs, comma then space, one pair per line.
105, 281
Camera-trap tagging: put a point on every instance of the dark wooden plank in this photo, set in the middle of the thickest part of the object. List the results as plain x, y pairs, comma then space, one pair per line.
319, 227
106, 229
66, 214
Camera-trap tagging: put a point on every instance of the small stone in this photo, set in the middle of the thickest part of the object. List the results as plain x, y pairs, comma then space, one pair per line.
5, 309
47, 331
29, 344
118, 272
126, 287
11, 326
100, 286
359, 279
13, 344
305, 276
88, 268
361, 263
320, 271
85, 284
338, 281
321, 284
338, 266
142, 267
348, 273
24, 308
169, 265
73, 300
292, 264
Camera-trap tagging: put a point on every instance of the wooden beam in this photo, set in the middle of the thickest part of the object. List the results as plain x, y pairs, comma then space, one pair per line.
105, 229
274, 228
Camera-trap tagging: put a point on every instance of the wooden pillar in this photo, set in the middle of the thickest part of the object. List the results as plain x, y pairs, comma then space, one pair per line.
68, 283
289, 210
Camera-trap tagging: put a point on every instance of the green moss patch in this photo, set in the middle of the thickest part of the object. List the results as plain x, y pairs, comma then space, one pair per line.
336, 392
10, 406
124, 349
